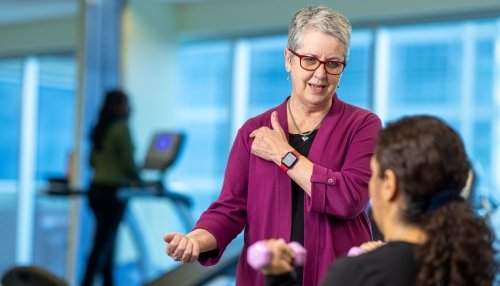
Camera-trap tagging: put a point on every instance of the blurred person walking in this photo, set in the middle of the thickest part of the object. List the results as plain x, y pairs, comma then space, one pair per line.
112, 160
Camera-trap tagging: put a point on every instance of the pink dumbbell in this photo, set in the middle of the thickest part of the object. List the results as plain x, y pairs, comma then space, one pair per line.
355, 251
259, 256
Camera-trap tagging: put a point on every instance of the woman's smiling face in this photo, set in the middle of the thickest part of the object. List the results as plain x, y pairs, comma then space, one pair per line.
316, 86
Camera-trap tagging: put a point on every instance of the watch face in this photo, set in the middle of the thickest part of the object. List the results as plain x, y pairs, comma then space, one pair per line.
289, 159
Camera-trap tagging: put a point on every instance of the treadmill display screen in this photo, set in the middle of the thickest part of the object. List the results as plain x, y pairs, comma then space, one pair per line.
163, 142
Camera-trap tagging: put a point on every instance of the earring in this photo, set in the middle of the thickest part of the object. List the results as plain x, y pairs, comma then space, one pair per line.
287, 75
338, 86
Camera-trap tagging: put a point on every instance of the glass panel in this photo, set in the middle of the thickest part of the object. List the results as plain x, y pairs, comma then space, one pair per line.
424, 70
203, 113
484, 114
355, 82
8, 219
10, 90
55, 130
56, 116
482, 159
447, 70
484, 70
268, 79
10, 106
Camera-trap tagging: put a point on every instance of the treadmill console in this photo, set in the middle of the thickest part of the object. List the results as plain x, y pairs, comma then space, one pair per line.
163, 150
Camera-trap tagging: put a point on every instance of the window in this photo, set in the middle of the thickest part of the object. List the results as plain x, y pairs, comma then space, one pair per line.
56, 116
52, 78
55, 132
10, 88
203, 111
355, 84
447, 70
267, 75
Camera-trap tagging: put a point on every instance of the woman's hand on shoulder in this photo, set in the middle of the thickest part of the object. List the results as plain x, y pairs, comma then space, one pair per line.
270, 143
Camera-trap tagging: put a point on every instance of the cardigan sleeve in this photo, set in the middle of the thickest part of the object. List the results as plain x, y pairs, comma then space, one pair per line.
343, 193
225, 218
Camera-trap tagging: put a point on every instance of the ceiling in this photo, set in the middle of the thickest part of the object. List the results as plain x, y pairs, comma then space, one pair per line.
15, 11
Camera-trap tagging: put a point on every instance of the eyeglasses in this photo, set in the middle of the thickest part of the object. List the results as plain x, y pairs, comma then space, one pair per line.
310, 63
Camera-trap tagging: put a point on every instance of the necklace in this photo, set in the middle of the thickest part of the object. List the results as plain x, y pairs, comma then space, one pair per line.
305, 135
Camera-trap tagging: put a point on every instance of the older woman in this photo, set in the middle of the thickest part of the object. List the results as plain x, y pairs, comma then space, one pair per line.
298, 171
433, 236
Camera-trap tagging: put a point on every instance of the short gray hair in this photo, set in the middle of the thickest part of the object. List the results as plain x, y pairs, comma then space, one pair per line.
323, 19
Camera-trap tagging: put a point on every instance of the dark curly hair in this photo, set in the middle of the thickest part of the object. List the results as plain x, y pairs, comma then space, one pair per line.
115, 107
428, 157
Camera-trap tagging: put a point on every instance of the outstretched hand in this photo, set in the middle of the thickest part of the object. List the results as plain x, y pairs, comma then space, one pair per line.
181, 247
270, 143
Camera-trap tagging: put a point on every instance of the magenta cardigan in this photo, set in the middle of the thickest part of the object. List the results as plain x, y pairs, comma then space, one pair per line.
256, 194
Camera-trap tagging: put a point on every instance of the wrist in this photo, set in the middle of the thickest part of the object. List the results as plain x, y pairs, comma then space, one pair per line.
205, 240
289, 160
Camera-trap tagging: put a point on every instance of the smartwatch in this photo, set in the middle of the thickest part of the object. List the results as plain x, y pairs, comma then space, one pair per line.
289, 160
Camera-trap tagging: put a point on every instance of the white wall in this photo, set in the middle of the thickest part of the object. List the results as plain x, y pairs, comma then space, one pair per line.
43, 36
258, 16
148, 67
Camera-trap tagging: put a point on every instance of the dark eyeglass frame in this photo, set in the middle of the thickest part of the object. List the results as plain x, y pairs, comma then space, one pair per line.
320, 62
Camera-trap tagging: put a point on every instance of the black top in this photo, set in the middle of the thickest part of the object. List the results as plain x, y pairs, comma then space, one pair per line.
297, 233
393, 264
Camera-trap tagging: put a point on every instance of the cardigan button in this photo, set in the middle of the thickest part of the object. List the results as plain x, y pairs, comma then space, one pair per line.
331, 181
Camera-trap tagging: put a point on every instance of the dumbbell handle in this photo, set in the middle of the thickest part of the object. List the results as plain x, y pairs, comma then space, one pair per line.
259, 255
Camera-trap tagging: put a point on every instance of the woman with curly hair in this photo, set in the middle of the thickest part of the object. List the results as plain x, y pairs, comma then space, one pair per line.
432, 236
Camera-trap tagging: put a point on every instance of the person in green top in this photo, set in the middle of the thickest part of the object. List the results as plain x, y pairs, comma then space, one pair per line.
112, 160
